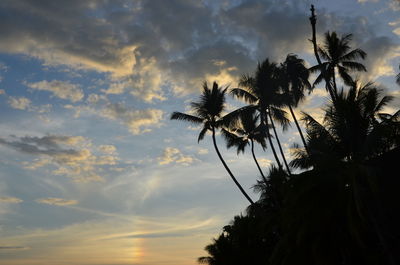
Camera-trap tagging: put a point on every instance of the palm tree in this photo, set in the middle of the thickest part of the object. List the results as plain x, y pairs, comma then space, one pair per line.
398, 77
260, 91
248, 132
294, 80
338, 56
208, 112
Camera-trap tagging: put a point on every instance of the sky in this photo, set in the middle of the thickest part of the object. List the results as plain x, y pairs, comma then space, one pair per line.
93, 172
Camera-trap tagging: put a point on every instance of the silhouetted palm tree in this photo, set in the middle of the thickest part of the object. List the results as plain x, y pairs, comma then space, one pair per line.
338, 56
261, 91
208, 112
398, 77
294, 80
246, 133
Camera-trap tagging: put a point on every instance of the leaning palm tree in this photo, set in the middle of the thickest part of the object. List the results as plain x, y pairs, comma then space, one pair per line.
208, 112
338, 57
260, 91
246, 133
294, 81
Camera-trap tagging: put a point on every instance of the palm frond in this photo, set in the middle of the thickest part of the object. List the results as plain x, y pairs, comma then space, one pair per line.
383, 102
243, 94
233, 117
353, 55
247, 81
324, 54
280, 115
186, 117
354, 66
348, 80
202, 134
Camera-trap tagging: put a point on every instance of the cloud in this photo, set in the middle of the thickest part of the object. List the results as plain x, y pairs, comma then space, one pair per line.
60, 89
381, 51
5, 248
87, 42
115, 88
264, 162
138, 121
394, 5
21, 103
57, 201
145, 83
70, 155
202, 151
4, 199
108, 149
174, 155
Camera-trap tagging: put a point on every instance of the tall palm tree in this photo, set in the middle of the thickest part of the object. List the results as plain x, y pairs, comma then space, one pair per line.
398, 77
338, 57
208, 112
260, 91
294, 81
246, 133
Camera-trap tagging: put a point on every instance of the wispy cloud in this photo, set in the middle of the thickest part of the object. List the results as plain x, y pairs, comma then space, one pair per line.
174, 155
57, 201
137, 120
5, 248
21, 103
60, 89
5, 199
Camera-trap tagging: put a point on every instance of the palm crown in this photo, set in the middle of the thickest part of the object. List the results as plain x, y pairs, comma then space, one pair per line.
338, 55
207, 110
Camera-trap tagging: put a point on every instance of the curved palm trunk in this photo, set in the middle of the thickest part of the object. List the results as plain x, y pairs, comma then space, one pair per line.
279, 143
313, 20
299, 129
264, 119
227, 168
255, 160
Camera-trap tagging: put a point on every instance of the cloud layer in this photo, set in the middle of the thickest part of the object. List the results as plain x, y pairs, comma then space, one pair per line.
139, 44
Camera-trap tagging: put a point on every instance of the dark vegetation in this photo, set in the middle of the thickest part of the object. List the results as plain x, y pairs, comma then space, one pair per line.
344, 206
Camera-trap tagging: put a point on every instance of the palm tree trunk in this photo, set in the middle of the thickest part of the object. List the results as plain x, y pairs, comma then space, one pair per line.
255, 160
279, 143
299, 129
227, 168
264, 119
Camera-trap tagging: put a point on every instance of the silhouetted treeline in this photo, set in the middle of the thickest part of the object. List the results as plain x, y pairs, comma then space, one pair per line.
343, 208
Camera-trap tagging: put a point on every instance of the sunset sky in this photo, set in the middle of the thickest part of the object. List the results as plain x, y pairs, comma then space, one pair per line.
93, 172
